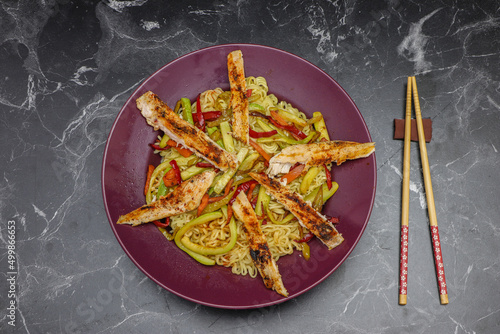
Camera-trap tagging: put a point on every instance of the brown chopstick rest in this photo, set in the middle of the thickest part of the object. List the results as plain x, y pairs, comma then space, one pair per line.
399, 129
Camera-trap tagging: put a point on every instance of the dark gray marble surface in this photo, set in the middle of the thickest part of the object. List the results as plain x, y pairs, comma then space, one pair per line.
66, 68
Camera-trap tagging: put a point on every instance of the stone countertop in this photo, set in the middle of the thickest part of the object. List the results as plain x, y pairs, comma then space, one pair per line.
66, 69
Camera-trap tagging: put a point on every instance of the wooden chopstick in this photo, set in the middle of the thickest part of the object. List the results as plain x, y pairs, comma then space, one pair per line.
403, 259
436, 244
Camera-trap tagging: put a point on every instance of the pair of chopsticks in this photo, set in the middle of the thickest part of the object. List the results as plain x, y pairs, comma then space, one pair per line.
436, 245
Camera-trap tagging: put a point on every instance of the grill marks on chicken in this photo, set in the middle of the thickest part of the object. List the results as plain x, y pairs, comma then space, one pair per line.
259, 249
159, 115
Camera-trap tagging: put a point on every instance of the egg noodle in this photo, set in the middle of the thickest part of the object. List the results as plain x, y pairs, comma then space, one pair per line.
280, 228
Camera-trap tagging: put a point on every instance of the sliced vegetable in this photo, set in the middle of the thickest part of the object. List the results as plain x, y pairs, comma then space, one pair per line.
255, 134
327, 193
294, 173
215, 135
219, 204
242, 187
200, 115
203, 204
289, 117
156, 146
186, 110
226, 192
160, 169
225, 129
250, 191
209, 115
164, 140
249, 161
177, 106
307, 237
321, 126
182, 151
197, 221
256, 106
163, 225
271, 216
277, 117
308, 179
170, 179
150, 171
290, 128
315, 119
177, 171
221, 183
162, 190
167, 235
204, 165
260, 150
333, 220
328, 177
262, 201
306, 250
204, 250
192, 171
317, 202
288, 140
264, 125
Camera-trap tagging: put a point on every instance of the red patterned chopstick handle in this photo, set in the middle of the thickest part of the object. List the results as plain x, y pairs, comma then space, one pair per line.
403, 261
438, 259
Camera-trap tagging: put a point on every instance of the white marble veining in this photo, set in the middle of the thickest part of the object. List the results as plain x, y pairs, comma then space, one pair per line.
67, 68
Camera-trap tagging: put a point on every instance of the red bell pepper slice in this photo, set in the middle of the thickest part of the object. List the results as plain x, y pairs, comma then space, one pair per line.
290, 128
209, 115
157, 147
308, 236
249, 92
177, 171
328, 177
204, 165
199, 115
333, 220
255, 134
160, 224
242, 187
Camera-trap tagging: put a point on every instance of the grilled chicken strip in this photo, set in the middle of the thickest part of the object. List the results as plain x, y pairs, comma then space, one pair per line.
259, 249
239, 99
160, 116
305, 213
186, 197
317, 154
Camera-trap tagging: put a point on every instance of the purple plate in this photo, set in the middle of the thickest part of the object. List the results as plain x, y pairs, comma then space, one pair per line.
127, 155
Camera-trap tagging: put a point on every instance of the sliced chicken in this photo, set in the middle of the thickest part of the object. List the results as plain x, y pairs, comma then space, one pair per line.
259, 249
186, 197
303, 211
160, 116
239, 99
317, 154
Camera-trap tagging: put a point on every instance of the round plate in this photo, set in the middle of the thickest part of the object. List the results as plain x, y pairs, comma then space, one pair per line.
127, 156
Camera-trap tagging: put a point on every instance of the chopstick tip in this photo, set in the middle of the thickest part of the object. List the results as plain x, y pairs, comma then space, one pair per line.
444, 299
402, 299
